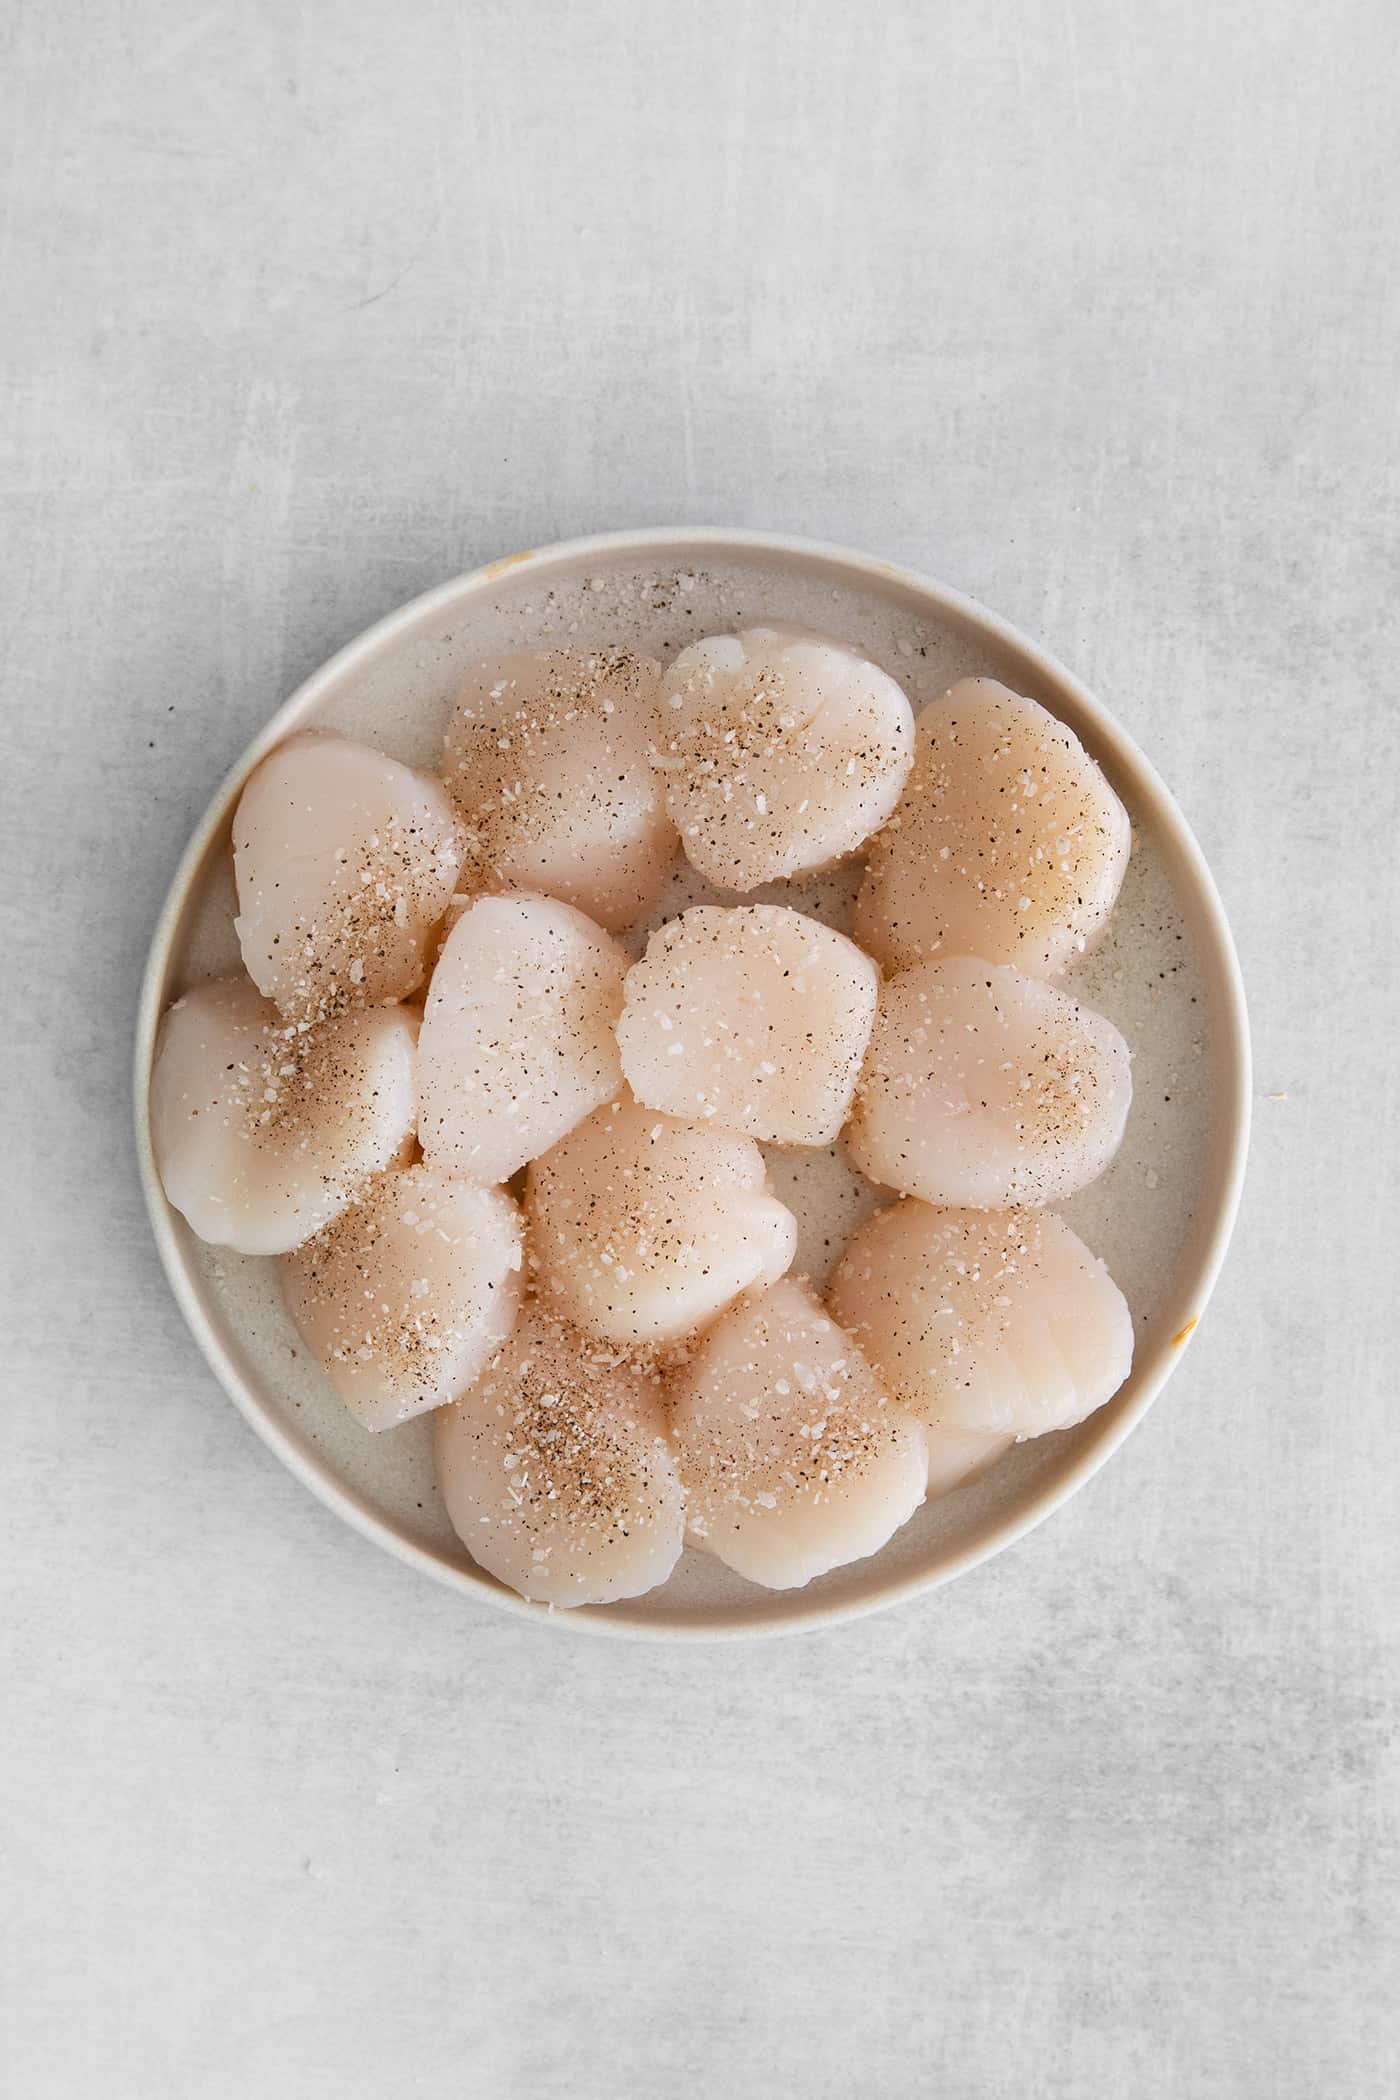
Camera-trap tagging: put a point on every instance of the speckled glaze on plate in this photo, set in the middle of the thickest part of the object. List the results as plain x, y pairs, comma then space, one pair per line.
1165, 971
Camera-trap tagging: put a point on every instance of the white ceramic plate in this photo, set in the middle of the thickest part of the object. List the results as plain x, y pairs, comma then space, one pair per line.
1165, 972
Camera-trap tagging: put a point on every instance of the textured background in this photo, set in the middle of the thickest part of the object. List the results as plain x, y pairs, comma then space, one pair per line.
1089, 310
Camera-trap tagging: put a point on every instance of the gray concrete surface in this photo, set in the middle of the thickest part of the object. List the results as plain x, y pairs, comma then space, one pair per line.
1089, 310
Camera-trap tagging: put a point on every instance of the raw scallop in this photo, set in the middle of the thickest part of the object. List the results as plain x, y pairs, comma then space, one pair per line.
345, 862
1008, 841
548, 761
986, 1088
643, 1228
264, 1128
793, 1460
408, 1295
782, 753
518, 1042
555, 1469
998, 1321
755, 1018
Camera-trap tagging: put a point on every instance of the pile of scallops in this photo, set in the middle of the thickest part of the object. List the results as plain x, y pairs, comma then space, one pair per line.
508, 1154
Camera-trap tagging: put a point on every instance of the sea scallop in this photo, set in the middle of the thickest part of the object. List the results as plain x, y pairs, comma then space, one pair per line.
264, 1128
987, 1089
793, 1460
345, 862
1008, 842
782, 752
409, 1294
548, 761
1001, 1322
754, 1017
643, 1227
518, 1042
556, 1472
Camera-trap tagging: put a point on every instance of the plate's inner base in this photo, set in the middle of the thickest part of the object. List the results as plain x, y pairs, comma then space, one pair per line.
1144, 974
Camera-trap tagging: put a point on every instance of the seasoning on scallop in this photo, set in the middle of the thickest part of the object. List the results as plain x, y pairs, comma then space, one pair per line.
408, 1295
643, 1227
782, 753
345, 861
793, 1460
547, 759
1008, 842
263, 1128
995, 1321
754, 1017
519, 1041
556, 1472
986, 1088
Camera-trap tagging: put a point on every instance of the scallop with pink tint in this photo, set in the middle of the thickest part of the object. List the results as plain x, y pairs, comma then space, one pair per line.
753, 1017
1008, 842
793, 1460
519, 1041
1000, 1322
408, 1295
986, 1088
556, 1472
782, 752
547, 759
643, 1227
345, 861
264, 1128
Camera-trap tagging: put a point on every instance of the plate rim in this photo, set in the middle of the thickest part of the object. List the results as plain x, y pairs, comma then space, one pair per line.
767, 1618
